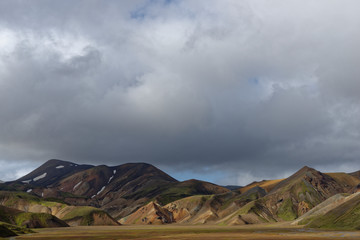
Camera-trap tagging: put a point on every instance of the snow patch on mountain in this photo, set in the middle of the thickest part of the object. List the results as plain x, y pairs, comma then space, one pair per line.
27, 181
40, 177
29, 190
102, 189
60, 166
78, 184
110, 179
114, 172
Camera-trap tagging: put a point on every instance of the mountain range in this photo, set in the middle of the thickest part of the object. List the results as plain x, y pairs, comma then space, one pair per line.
62, 193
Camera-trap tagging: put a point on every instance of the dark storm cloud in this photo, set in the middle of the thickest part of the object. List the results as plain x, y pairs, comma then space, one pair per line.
254, 88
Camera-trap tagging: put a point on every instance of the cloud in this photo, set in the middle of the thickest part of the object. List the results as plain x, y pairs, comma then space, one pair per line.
254, 88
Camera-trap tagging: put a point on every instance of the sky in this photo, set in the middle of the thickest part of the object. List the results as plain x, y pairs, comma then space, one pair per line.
228, 91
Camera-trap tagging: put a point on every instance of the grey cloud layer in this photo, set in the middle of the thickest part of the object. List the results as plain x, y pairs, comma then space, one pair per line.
258, 86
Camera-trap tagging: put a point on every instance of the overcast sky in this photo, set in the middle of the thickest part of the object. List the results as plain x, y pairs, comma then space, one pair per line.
228, 91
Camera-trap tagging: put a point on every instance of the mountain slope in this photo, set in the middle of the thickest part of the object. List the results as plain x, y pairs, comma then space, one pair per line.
322, 208
347, 180
189, 188
15, 229
355, 174
86, 216
73, 215
219, 208
345, 216
197, 209
267, 185
127, 179
152, 213
159, 192
29, 219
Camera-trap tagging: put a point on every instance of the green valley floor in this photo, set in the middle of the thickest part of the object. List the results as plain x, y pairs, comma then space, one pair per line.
280, 231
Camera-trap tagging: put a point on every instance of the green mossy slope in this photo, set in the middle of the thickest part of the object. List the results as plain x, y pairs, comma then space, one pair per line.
346, 216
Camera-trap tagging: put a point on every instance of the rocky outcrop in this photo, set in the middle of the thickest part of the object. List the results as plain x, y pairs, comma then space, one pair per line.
152, 213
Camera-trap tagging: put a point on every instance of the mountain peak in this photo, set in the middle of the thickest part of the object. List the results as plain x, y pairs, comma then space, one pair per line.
306, 169
52, 171
57, 163
52, 161
300, 174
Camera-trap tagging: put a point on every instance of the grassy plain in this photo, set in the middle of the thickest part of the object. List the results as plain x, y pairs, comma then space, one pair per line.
257, 232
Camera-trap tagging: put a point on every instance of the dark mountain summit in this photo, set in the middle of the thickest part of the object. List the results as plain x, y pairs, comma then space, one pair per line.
52, 172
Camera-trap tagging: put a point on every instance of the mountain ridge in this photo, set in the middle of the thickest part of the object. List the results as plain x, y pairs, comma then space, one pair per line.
140, 193
119, 190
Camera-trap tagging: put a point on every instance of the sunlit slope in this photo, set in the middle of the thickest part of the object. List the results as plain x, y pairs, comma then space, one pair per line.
345, 216
73, 215
29, 219
268, 185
